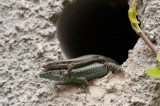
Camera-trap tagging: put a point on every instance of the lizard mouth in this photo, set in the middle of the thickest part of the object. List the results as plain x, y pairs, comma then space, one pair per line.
96, 27
42, 75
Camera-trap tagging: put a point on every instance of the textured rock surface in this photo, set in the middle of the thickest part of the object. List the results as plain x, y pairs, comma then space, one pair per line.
28, 40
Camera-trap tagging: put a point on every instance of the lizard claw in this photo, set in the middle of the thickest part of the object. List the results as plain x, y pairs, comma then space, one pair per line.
87, 91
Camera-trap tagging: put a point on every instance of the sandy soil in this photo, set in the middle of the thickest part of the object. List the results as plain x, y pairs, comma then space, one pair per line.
28, 40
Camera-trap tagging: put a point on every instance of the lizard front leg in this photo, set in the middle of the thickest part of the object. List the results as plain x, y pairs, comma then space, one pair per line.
84, 82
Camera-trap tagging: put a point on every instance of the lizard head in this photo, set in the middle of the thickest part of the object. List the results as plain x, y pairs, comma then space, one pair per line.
56, 75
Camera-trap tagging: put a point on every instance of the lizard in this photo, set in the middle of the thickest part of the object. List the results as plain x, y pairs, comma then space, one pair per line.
81, 75
81, 61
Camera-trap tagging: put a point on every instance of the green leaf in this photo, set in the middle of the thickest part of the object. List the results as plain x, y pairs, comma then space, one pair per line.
153, 72
158, 56
133, 18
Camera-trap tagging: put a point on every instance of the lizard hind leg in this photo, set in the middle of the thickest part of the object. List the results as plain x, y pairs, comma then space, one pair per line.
113, 67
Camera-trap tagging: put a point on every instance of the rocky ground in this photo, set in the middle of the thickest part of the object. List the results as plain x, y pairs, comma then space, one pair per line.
28, 40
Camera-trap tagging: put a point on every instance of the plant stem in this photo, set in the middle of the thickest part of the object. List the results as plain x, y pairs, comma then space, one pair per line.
148, 42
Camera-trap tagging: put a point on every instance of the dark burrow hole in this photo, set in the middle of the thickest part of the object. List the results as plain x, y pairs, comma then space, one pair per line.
96, 27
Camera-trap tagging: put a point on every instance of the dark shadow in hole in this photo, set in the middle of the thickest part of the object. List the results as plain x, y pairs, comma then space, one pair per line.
96, 27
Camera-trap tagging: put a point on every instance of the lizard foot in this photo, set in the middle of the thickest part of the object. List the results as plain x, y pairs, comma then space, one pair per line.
86, 90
